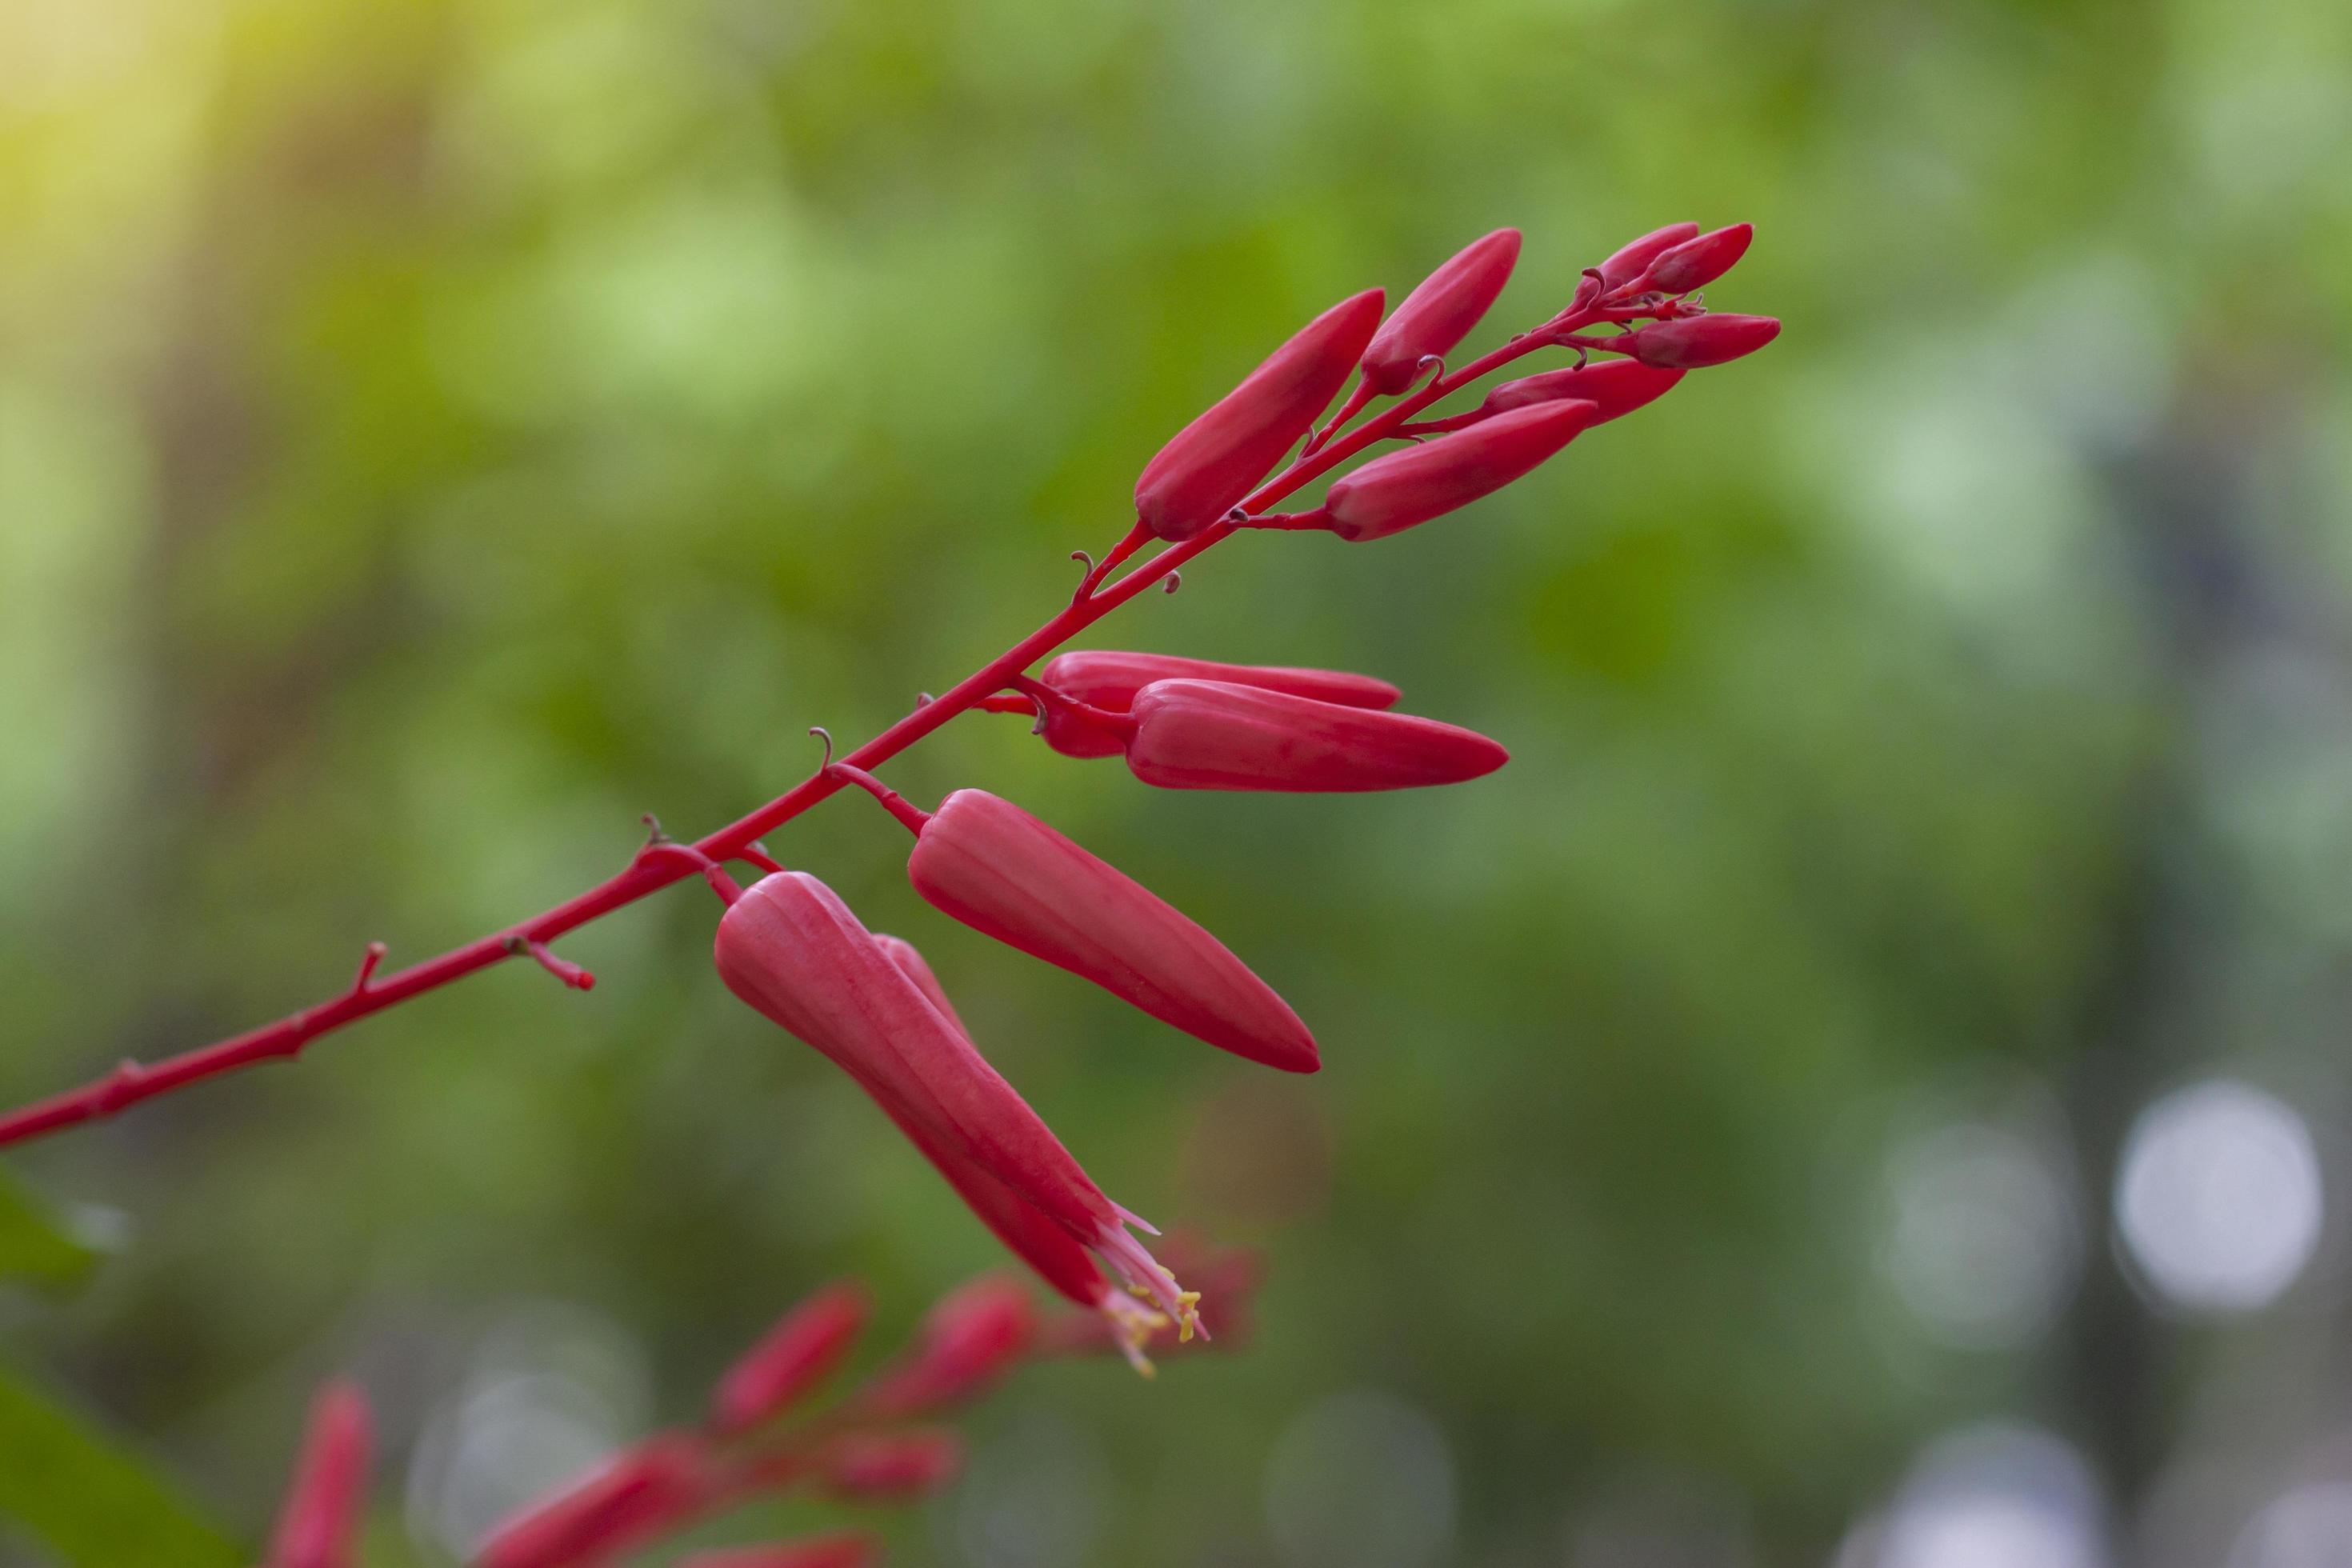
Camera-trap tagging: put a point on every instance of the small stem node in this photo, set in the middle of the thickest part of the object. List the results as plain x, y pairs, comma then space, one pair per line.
564, 969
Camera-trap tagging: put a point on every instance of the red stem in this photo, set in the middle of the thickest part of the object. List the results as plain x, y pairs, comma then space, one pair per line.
653, 869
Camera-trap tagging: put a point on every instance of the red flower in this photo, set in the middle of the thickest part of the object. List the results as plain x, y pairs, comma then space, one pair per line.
890, 1467
791, 1359
840, 1549
1206, 734
1214, 462
794, 950
972, 1338
1440, 312
1634, 260
1391, 494
318, 1526
1693, 343
632, 1498
1695, 263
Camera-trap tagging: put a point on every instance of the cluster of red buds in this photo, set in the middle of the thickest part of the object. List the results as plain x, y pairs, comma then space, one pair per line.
765, 1434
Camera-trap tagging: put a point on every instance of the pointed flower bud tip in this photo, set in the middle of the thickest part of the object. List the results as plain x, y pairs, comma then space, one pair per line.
1614, 387
791, 1360
1695, 263
1693, 342
1205, 734
634, 1497
1440, 311
318, 1527
1406, 489
1631, 262
1000, 871
1214, 462
972, 1338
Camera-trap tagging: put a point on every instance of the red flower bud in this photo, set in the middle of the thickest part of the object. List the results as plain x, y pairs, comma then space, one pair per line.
1037, 1240
1000, 871
794, 950
800, 1352
1204, 735
318, 1526
975, 1335
1440, 312
890, 1467
1630, 263
1614, 387
1695, 263
1693, 343
839, 1549
634, 1497
1111, 680
1391, 494
1218, 459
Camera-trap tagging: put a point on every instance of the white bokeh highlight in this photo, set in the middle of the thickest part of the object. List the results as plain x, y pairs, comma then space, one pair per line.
1988, 1496
1361, 1481
2218, 1198
1983, 1238
2310, 1527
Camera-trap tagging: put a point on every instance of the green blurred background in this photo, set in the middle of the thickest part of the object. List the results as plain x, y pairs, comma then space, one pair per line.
1865, 1085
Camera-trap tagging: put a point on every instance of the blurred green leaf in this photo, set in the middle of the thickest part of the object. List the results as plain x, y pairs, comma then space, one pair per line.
87, 1499
33, 1247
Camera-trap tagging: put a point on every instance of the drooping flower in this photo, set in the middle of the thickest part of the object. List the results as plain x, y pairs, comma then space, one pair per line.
318, 1526
1210, 464
794, 950
1440, 311
1207, 735
791, 1360
1000, 871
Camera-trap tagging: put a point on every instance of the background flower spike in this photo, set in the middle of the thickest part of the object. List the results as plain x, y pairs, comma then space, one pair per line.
1210, 464
791, 1359
1206, 734
1003, 872
319, 1526
1440, 313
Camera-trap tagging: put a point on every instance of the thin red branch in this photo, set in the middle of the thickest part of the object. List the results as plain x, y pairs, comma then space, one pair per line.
652, 869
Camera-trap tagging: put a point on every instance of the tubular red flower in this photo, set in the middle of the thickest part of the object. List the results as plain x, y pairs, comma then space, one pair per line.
632, 1498
1693, 342
840, 1549
794, 1356
1026, 1231
1695, 263
975, 1335
794, 952
1631, 262
1108, 678
1205, 734
1391, 494
1440, 313
1003, 872
1214, 462
319, 1524
890, 1467
1614, 387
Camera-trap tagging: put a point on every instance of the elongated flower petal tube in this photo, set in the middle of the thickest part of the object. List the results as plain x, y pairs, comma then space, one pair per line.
1218, 459
1108, 680
838, 1549
1693, 343
974, 1336
629, 1500
791, 1359
1634, 260
1695, 263
1614, 387
1440, 312
1205, 734
1026, 1231
794, 950
1000, 871
319, 1525
1391, 494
